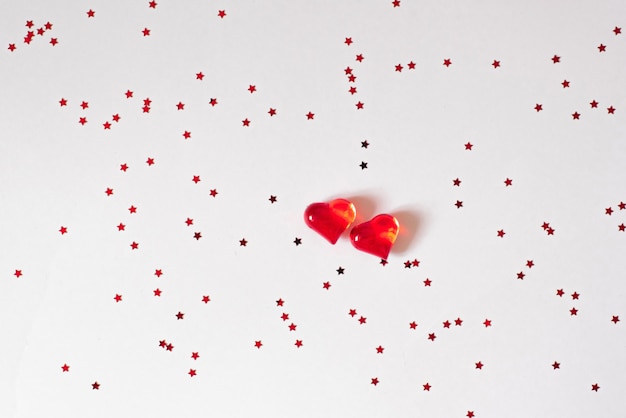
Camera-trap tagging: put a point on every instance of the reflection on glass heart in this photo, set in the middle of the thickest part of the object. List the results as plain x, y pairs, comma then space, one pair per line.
330, 219
376, 236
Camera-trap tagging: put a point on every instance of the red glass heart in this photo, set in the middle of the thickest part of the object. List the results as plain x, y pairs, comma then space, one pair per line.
330, 219
376, 236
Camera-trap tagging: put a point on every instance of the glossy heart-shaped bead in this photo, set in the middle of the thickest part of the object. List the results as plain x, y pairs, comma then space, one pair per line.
376, 236
330, 219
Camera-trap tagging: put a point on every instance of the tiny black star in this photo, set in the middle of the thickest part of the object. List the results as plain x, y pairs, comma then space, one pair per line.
197, 235
364, 144
407, 264
340, 270
383, 262
363, 165
297, 241
272, 199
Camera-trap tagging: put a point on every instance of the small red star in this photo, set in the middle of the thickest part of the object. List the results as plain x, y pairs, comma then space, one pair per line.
132, 209
107, 125
556, 365
415, 263
108, 191
411, 65
213, 102
206, 299
362, 320
456, 182
48, 26
447, 62
243, 242
427, 386
508, 182
195, 355
90, 13
118, 298
128, 94
251, 89
601, 48
152, 4
556, 59
63, 102
169, 347
427, 282
615, 319
560, 292
157, 292
470, 414
146, 32
146, 109
359, 58
359, 105
352, 90
550, 231
594, 104
622, 205
272, 199
459, 204
95, 386
348, 41
298, 343
446, 324
12, 47
53, 41
134, 245
245, 122
610, 110
18, 273
487, 323
326, 285
199, 76
221, 14
191, 372
530, 263
352, 312
292, 327
432, 336
407, 264
280, 302
63, 230
573, 311
413, 325
468, 146
147, 101
396, 3
617, 30
399, 68
538, 107
595, 387
180, 316
258, 344
65, 368
458, 322
565, 84
150, 161
197, 235
121, 227
621, 227
272, 111
521, 275
351, 78
116, 117
213, 192
501, 233
495, 63
479, 365
375, 381
189, 221
195, 179
180, 106
575, 295
545, 225
310, 115
284, 316
380, 349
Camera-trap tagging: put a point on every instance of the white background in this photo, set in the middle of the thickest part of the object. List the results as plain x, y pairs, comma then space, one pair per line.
54, 172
